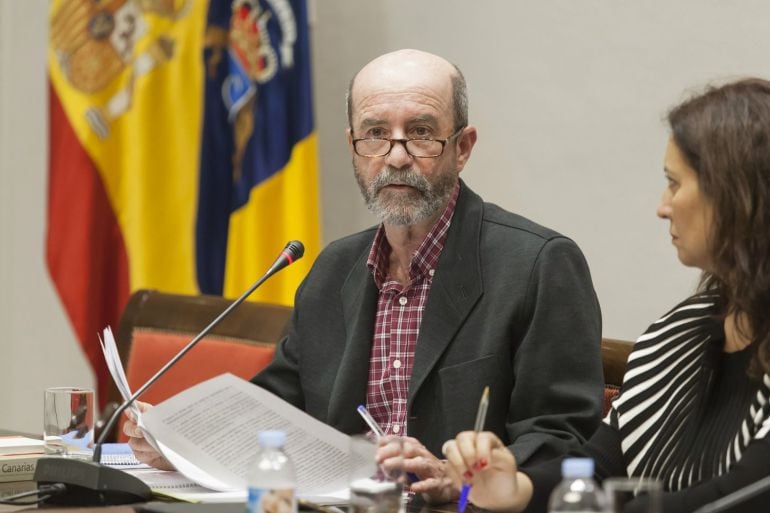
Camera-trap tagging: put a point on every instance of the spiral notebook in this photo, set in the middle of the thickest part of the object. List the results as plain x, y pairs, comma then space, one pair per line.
120, 456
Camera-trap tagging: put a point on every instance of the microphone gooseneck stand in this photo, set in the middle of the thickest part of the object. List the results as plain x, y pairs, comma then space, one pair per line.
89, 483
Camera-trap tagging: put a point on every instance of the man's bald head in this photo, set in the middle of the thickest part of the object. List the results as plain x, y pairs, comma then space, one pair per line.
405, 68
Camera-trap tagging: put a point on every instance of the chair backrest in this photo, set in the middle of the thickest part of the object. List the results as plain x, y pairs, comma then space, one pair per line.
156, 325
614, 357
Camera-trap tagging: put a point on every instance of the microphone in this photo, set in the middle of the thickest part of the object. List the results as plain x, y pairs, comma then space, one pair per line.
88, 483
738, 498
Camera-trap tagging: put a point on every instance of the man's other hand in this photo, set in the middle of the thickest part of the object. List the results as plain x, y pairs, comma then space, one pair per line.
139, 444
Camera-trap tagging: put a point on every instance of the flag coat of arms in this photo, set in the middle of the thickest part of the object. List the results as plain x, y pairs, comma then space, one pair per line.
183, 154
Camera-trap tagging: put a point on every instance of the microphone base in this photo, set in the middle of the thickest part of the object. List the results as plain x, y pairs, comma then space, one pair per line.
89, 483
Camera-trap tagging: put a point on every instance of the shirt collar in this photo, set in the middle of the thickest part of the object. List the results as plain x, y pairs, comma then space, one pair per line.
425, 258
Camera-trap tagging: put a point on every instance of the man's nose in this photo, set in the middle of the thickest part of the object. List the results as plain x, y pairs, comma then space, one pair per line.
398, 157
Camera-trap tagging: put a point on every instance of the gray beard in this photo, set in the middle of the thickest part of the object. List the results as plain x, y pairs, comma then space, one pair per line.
406, 210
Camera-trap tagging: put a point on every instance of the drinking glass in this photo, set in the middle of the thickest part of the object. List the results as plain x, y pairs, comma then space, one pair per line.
374, 489
68, 422
621, 490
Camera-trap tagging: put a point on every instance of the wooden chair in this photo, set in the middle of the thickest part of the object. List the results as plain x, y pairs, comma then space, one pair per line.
614, 357
156, 325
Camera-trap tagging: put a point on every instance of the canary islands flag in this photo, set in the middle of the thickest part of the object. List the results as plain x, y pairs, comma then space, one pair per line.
182, 152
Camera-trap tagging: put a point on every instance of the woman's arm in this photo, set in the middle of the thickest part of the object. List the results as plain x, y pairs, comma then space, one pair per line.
753, 466
603, 447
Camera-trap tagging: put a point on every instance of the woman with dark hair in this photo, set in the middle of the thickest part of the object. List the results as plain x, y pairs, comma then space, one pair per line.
694, 409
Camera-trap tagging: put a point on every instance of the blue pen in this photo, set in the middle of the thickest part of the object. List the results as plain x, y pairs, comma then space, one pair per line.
377, 430
481, 417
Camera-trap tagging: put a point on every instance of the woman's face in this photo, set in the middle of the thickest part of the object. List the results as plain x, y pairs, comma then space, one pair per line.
689, 213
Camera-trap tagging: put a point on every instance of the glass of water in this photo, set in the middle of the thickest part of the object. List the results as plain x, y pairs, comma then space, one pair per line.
68, 422
373, 488
621, 490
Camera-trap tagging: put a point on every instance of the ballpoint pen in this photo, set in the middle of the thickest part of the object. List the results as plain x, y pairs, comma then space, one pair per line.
377, 430
481, 417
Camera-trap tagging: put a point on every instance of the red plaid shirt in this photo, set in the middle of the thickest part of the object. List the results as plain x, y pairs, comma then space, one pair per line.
397, 324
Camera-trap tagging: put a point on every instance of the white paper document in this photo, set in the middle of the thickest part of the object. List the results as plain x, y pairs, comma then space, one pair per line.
209, 433
215, 424
115, 366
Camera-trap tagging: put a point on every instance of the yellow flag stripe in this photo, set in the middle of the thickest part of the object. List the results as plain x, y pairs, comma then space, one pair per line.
148, 159
280, 209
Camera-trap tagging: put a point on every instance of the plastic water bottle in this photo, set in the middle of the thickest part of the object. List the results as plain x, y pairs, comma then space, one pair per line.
272, 481
577, 491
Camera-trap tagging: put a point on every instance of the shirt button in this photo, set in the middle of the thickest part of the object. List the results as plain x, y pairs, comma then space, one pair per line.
432, 272
396, 428
397, 364
402, 300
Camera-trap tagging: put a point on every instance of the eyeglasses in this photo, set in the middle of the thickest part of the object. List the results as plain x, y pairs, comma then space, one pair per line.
420, 148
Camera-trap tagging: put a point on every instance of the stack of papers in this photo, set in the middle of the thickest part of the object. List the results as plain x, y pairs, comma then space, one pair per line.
18, 445
209, 433
18, 457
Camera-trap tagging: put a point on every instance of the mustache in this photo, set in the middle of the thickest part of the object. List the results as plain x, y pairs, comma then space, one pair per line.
392, 176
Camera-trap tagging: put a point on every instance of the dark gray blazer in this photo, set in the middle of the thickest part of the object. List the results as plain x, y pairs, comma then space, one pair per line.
511, 306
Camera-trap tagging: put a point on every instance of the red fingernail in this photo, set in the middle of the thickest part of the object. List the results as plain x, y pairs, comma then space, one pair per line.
468, 475
483, 463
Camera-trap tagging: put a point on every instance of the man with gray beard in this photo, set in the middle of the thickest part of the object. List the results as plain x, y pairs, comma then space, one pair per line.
414, 317
449, 294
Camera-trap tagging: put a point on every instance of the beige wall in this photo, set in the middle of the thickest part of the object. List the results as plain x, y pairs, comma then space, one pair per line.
568, 97
37, 346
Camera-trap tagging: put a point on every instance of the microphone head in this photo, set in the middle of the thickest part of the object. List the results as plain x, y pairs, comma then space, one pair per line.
295, 249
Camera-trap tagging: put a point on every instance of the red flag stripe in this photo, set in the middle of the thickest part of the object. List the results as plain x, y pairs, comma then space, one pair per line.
85, 251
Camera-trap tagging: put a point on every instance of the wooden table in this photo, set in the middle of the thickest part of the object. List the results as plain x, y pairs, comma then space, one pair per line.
414, 506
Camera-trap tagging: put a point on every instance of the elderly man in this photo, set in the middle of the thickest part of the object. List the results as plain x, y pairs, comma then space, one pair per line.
414, 317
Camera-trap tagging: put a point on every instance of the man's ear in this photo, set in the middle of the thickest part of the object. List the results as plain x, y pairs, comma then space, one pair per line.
349, 135
465, 142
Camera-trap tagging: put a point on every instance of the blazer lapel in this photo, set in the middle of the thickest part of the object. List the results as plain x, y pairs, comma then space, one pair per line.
455, 289
359, 305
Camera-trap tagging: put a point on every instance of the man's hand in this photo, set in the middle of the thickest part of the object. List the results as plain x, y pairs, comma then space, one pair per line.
142, 449
415, 460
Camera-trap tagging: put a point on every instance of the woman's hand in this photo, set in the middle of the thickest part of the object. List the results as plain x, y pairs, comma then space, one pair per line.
481, 460
138, 443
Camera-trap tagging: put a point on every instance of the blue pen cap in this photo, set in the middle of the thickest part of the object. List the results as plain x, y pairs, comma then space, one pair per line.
576, 468
272, 439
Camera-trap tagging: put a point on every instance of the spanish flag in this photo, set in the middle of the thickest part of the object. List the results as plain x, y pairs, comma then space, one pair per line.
182, 152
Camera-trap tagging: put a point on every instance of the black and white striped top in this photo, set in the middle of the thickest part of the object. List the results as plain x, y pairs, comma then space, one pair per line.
687, 410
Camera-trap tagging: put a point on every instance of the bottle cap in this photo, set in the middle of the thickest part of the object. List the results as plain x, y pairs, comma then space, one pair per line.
271, 438
577, 467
